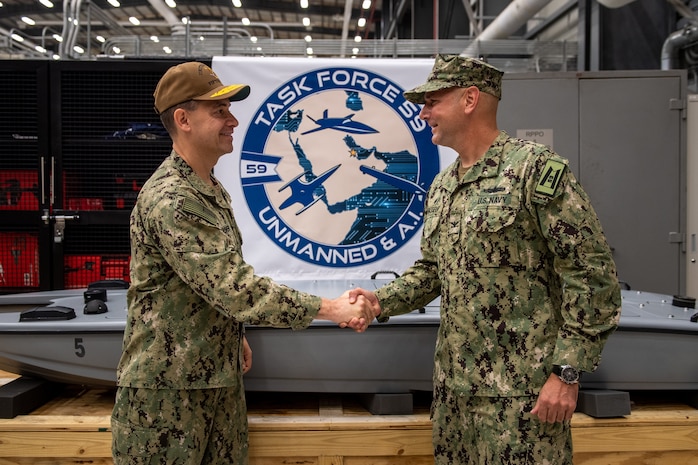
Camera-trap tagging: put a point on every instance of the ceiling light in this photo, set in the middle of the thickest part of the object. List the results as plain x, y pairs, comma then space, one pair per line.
57, 38
185, 20
100, 39
46, 3
308, 38
115, 4
362, 22
366, 4
245, 21
253, 39
78, 49
116, 49
155, 39
171, 3
237, 3
355, 50
304, 3
39, 49
357, 39
28, 20
17, 38
133, 20
306, 21
166, 49
309, 50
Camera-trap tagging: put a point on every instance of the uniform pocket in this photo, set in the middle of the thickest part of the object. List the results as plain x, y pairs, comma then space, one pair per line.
489, 236
431, 222
491, 219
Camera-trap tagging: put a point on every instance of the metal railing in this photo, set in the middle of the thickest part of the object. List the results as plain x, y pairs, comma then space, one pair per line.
518, 55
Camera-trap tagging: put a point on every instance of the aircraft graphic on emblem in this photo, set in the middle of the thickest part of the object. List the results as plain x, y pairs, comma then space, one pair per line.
395, 181
345, 124
306, 193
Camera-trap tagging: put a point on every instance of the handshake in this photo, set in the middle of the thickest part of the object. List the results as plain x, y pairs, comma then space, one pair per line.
354, 309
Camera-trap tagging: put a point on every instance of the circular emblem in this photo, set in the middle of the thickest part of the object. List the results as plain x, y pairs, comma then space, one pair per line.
335, 166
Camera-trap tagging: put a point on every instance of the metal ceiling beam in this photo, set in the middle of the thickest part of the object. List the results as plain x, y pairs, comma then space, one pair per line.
107, 20
399, 12
345, 26
471, 16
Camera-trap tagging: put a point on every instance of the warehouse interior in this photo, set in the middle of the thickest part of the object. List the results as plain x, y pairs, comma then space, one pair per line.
591, 35
612, 85
520, 37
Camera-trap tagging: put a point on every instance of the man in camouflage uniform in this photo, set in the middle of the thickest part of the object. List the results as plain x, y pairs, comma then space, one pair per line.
180, 397
528, 286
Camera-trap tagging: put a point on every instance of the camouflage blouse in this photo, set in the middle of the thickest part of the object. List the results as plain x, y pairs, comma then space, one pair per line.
525, 275
191, 291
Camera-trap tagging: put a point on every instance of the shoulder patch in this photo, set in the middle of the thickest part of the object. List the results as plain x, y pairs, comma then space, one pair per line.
549, 180
195, 208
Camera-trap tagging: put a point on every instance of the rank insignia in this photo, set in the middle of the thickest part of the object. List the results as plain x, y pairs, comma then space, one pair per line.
552, 174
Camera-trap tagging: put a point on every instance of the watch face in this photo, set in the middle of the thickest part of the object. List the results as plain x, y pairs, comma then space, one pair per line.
569, 374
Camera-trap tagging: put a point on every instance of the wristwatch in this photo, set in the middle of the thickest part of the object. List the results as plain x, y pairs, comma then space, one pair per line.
568, 374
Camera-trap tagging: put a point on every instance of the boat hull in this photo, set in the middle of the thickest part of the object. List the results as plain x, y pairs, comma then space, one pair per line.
653, 349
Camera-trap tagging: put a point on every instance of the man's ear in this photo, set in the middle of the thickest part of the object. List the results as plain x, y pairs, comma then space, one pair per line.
471, 97
181, 119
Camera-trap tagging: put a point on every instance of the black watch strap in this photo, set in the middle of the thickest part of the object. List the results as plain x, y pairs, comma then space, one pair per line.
568, 374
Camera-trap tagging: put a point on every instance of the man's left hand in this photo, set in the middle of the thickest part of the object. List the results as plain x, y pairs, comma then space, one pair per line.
556, 401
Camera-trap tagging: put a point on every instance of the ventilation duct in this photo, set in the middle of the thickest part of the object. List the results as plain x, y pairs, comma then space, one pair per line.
614, 3
677, 41
507, 22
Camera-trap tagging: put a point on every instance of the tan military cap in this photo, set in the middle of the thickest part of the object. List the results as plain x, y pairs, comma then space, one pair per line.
194, 81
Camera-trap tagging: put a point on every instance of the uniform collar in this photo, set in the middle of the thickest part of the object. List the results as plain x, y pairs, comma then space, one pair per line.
485, 167
216, 191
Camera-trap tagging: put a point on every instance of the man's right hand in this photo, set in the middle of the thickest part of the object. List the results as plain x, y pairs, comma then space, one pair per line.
356, 314
354, 294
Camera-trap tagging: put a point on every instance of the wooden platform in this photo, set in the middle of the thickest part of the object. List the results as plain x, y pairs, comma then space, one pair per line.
309, 429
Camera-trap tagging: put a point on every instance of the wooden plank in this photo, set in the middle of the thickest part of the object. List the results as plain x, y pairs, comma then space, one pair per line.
54, 461
402, 460
636, 458
262, 423
656, 414
308, 429
331, 460
6, 377
636, 438
281, 461
39, 423
57, 444
344, 443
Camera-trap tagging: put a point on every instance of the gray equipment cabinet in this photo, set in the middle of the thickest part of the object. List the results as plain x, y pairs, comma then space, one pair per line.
624, 134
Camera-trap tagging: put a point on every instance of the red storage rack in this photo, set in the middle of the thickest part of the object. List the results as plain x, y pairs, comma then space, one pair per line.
19, 190
81, 270
19, 260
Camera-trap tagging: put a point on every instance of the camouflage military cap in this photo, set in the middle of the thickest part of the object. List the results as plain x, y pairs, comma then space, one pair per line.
458, 71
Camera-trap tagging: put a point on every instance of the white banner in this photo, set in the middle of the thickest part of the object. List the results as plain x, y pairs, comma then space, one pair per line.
330, 165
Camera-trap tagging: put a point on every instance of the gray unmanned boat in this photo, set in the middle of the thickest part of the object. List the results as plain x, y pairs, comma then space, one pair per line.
56, 335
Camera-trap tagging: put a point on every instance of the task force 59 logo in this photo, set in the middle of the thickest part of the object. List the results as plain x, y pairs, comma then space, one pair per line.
335, 166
